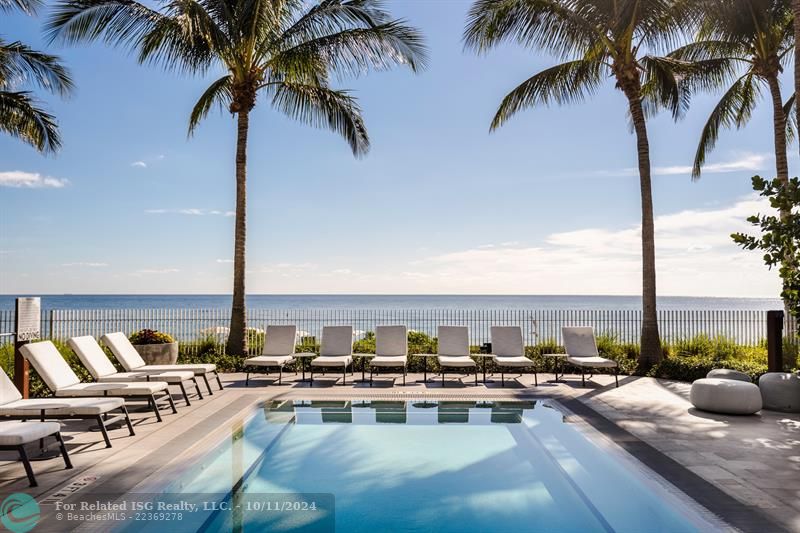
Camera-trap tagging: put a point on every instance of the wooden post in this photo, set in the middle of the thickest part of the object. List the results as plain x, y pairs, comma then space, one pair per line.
21, 366
775, 341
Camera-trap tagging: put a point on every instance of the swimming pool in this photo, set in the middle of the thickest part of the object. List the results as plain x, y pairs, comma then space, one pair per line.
415, 466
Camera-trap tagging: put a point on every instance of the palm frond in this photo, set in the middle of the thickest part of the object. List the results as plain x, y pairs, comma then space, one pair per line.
19, 63
333, 16
23, 118
117, 22
664, 85
218, 93
29, 7
790, 111
552, 25
563, 84
322, 107
733, 109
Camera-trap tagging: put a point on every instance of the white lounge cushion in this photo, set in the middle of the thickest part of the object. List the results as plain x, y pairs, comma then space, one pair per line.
120, 389
456, 361
62, 406
92, 356
332, 360
592, 362
513, 361
507, 340
391, 340
268, 360
337, 340
198, 368
14, 433
48, 363
579, 341
389, 360
169, 377
453, 340
8, 392
280, 340
123, 350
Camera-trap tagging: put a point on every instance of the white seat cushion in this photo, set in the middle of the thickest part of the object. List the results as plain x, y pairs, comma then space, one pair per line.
279, 340
14, 433
268, 360
169, 377
332, 360
66, 406
337, 340
512, 360
592, 362
455, 361
198, 368
120, 389
389, 360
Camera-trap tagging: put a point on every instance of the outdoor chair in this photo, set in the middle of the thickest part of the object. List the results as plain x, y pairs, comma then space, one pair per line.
14, 435
453, 350
336, 350
508, 351
131, 361
581, 348
391, 350
64, 383
13, 406
278, 350
103, 371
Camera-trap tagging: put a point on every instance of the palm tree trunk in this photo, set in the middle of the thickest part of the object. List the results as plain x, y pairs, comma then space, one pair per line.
782, 168
237, 338
651, 341
796, 10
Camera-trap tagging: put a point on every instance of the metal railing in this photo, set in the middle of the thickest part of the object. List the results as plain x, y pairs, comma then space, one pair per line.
539, 326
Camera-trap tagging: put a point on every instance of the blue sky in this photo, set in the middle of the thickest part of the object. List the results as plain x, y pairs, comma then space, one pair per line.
546, 205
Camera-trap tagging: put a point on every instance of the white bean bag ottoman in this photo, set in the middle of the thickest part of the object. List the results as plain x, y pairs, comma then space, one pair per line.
727, 396
727, 373
780, 391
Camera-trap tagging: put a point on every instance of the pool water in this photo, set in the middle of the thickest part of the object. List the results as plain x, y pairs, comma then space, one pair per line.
433, 466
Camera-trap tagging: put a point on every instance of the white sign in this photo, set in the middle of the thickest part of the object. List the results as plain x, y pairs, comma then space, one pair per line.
29, 319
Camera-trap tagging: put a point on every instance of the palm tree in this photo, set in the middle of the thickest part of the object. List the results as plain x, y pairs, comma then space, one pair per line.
21, 115
744, 44
284, 50
597, 39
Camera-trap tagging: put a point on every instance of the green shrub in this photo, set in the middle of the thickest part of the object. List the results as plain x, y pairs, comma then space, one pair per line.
150, 336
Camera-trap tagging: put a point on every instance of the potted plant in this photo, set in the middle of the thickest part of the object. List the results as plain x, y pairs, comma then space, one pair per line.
156, 348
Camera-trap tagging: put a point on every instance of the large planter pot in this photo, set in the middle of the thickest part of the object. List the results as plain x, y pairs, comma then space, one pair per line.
158, 354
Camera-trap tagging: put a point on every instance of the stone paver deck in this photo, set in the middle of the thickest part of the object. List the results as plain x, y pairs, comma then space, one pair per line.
747, 468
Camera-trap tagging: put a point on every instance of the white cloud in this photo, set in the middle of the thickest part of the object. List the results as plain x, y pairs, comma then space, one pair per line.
342, 271
224, 260
30, 180
146, 271
139, 164
191, 211
85, 264
742, 162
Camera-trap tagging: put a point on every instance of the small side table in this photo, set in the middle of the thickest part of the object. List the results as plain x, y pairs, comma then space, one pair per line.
558, 365
483, 356
303, 357
425, 357
364, 357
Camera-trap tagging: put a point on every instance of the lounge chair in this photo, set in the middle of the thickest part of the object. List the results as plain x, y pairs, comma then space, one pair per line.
14, 435
453, 349
581, 348
336, 350
131, 361
278, 350
13, 406
64, 383
391, 350
103, 371
508, 351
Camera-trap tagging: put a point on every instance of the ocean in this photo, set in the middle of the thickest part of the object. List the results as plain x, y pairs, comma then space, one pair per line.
357, 302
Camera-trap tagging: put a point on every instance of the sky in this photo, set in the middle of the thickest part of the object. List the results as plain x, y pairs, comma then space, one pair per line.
548, 204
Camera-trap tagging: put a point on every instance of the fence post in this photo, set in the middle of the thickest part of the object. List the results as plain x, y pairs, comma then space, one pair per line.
775, 341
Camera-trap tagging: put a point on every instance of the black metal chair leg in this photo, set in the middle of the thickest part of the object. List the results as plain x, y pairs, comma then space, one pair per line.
311, 383
502, 378
153, 403
197, 388
208, 385
27, 464
102, 425
280, 375
583, 379
171, 403
616, 376
219, 381
535, 379
64, 454
185, 396
247, 380
128, 420
476, 376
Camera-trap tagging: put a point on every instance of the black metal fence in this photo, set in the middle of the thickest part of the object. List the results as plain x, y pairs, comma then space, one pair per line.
539, 326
